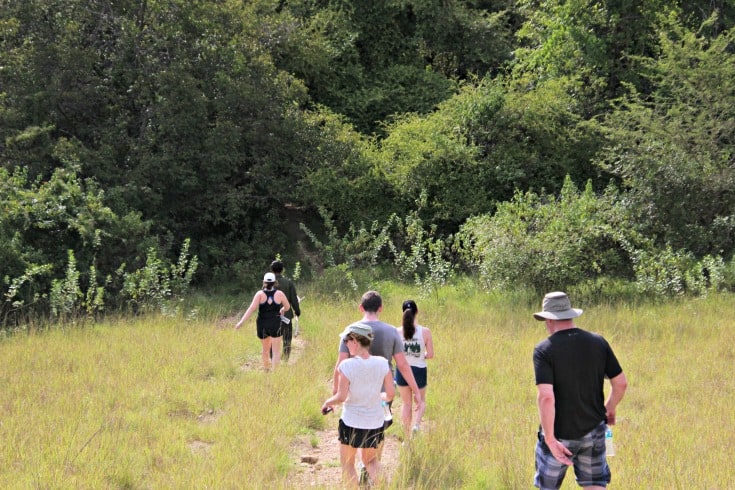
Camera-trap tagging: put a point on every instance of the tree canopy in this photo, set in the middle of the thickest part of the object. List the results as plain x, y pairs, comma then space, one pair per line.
126, 125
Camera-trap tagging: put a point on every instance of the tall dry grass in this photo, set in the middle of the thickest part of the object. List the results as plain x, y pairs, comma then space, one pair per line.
175, 403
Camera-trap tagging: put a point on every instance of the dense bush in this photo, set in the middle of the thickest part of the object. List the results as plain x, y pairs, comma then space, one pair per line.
65, 253
127, 127
547, 243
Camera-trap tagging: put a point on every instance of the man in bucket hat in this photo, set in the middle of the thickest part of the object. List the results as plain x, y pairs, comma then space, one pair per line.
570, 366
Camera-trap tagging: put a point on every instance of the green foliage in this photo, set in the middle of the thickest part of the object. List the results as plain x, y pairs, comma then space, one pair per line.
341, 174
358, 247
393, 57
589, 45
421, 254
402, 243
65, 293
338, 281
482, 145
24, 292
671, 273
426, 156
159, 286
128, 125
39, 217
673, 149
174, 108
547, 243
40, 220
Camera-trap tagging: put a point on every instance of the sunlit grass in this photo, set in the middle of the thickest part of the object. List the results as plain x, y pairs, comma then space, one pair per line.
171, 403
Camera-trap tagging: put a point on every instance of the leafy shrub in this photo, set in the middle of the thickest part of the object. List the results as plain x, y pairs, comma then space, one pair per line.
404, 244
60, 246
671, 272
547, 243
160, 286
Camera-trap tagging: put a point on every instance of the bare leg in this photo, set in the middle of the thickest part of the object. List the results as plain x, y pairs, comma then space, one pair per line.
406, 410
372, 463
276, 344
347, 459
420, 412
265, 354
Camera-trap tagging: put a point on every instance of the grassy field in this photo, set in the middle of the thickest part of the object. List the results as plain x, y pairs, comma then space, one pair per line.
182, 403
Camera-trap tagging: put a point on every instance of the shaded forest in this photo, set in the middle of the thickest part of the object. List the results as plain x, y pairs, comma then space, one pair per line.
151, 144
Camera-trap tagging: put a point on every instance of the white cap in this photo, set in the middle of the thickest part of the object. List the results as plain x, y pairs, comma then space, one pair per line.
269, 277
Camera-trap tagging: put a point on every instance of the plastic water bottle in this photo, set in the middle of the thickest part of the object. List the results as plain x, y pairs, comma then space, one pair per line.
609, 447
386, 412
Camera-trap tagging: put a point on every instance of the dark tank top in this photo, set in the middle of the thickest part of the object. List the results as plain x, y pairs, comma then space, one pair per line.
269, 310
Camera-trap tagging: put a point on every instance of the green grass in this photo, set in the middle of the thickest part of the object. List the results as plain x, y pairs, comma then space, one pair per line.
176, 403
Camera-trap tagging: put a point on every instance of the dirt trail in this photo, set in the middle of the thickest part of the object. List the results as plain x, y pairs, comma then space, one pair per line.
319, 467
316, 457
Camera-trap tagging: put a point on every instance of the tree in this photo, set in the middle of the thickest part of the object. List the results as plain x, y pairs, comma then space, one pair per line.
372, 60
58, 236
591, 45
175, 108
673, 150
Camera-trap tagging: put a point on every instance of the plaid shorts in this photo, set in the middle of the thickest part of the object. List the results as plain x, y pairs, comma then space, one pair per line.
588, 457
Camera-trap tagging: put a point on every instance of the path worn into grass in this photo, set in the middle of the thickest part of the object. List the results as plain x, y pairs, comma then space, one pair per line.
316, 456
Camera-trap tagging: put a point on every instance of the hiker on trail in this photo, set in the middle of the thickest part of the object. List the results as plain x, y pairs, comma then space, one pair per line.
271, 304
570, 367
361, 383
288, 288
418, 347
386, 343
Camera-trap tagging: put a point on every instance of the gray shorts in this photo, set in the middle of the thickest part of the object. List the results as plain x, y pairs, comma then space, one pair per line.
588, 457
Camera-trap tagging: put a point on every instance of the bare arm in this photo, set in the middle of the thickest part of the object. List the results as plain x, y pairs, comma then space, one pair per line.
547, 413
253, 306
336, 375
429, 342
340, 395
389, 386
618, 386
283, 300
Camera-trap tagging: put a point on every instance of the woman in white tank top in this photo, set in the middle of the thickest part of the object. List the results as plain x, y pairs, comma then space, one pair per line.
418, 347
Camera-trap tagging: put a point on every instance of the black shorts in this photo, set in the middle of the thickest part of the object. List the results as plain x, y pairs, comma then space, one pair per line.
359, 437
268, 328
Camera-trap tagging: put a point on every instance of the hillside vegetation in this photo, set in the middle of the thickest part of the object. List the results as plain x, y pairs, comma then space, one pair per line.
546, 144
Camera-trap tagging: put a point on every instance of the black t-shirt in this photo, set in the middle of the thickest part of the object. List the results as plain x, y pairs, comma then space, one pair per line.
576, 363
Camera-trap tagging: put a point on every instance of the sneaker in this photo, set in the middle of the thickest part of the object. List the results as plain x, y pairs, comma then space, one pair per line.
415, 429
364, 480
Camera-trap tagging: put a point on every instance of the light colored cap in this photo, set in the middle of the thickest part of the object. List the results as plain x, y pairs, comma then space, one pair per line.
269, 277
359, 329
556, 306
